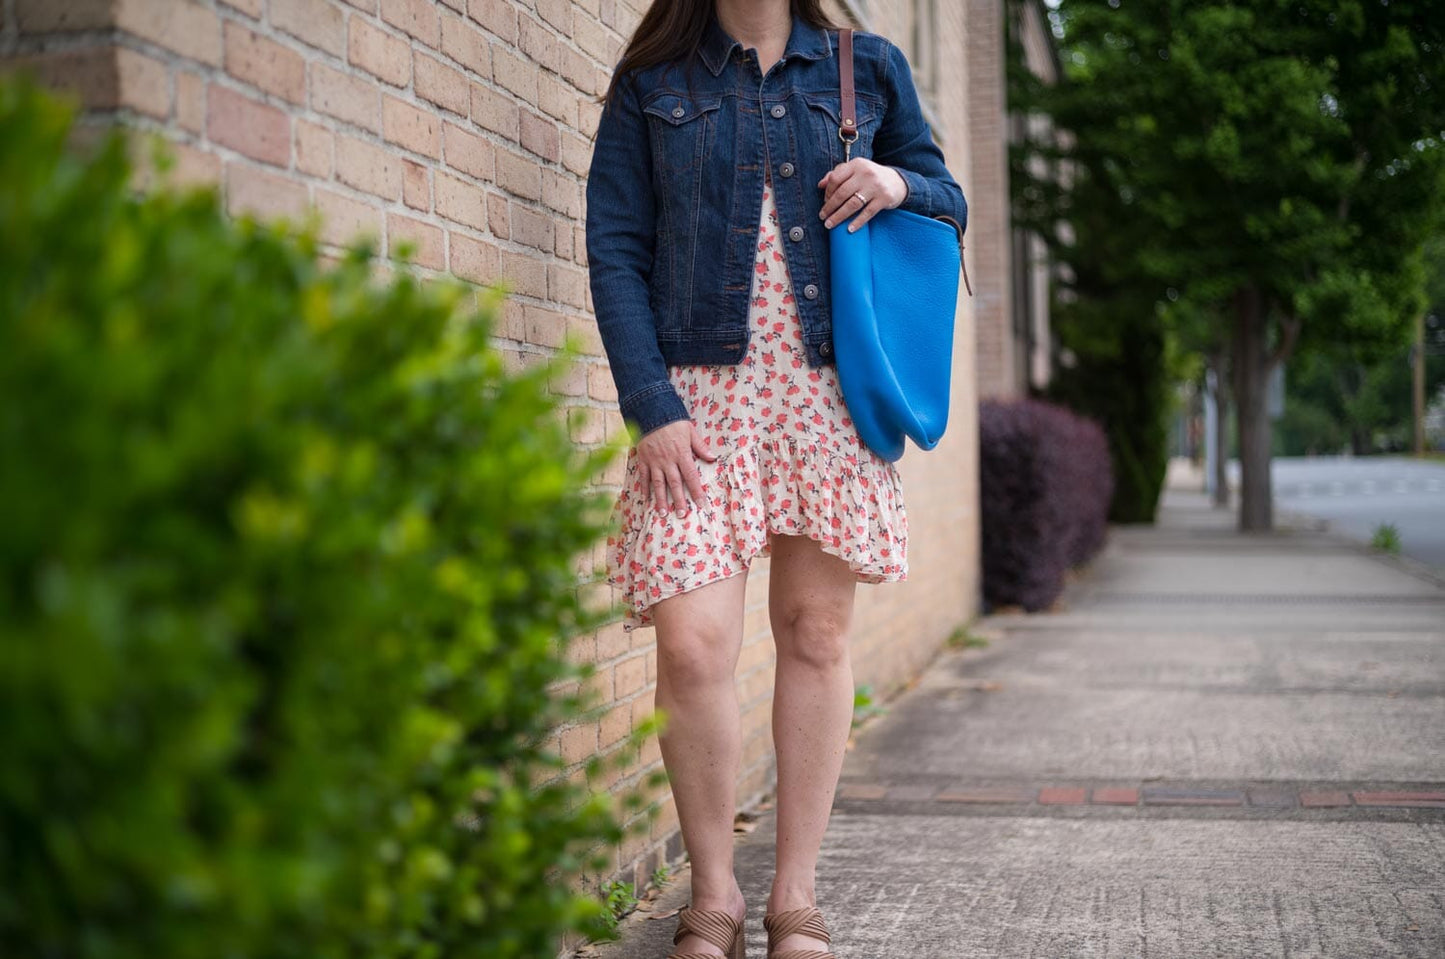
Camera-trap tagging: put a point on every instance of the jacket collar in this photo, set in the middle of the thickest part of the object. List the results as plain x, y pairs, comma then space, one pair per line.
804, 40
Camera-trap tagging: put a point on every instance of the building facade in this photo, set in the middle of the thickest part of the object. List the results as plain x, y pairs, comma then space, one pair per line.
1031, 268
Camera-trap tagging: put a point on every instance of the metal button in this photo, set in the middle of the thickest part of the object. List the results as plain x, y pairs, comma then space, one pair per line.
811, 291
678, 111
825, 349
779, 110
786, 169
795, 234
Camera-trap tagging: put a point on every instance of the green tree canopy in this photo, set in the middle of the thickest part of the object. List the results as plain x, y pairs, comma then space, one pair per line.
1284, 162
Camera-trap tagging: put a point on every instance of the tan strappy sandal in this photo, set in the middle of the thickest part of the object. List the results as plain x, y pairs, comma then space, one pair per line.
807, 921
719, 928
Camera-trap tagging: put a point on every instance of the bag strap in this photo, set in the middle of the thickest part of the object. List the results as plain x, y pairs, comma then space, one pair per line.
848, 121
848, 124
961, 262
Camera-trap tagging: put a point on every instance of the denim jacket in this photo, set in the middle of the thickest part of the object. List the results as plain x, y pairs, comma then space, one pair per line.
676, 185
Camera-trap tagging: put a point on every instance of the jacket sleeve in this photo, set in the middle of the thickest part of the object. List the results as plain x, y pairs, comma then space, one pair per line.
620, 237
904, 142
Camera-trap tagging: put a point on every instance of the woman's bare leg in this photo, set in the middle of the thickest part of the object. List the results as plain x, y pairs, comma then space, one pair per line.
810, 600
699, 636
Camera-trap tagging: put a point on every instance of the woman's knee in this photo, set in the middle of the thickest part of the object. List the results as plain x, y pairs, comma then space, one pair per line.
699, 635
814, 636
695, 657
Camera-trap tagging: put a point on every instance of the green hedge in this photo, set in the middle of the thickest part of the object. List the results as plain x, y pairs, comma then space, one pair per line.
286, 561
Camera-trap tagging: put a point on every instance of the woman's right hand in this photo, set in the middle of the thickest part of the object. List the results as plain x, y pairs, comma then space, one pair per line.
667, 457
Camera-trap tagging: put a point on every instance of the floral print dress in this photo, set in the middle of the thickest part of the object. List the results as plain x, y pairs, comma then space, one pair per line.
788, 461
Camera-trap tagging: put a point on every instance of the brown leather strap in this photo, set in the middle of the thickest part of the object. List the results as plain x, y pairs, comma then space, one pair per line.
961, 261
807, 921
848, 124
716, 927
848, 121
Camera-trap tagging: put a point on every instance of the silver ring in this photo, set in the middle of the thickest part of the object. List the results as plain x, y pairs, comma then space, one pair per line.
861, 197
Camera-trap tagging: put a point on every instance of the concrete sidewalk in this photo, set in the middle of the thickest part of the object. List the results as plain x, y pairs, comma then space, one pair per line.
1219, 745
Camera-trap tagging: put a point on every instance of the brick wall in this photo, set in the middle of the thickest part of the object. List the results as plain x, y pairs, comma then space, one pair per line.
463, 127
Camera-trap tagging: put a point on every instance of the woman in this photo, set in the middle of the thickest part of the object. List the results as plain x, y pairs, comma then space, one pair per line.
717, 171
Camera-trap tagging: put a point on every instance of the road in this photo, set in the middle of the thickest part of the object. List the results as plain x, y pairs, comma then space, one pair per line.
1357, 495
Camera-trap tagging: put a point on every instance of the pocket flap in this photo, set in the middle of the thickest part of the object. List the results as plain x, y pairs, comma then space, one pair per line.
832, 105
678, 109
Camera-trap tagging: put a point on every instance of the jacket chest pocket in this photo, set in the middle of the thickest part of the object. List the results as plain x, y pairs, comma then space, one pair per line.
825, 114
682, 129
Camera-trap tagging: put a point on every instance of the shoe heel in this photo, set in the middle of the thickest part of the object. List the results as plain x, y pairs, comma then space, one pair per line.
740, 946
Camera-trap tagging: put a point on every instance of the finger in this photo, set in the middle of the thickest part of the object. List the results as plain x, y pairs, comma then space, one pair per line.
843, 194
848, 202
831, 175
838, 194
693, 478
865, 213
674, 485
659, 489
833, 196
700, 448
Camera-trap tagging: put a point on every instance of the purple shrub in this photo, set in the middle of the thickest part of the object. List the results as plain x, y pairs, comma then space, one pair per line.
1046, 482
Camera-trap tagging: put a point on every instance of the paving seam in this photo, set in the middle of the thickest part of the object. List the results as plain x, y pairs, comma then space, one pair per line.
1359, 801
1420, 816
1122, 598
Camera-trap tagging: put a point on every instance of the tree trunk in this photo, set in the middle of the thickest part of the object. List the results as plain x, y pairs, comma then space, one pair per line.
1417, 387
1250, 368
1217, 360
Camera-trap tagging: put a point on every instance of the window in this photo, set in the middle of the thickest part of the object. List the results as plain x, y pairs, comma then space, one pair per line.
924, 53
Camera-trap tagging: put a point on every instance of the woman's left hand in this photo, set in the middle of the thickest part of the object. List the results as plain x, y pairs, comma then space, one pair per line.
859, 188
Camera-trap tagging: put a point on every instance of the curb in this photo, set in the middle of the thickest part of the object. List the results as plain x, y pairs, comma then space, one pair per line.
1404, 564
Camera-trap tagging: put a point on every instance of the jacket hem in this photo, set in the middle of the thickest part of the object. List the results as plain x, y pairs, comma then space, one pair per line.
719, 348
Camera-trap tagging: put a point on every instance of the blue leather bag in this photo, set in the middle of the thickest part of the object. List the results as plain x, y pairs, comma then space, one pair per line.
895, 294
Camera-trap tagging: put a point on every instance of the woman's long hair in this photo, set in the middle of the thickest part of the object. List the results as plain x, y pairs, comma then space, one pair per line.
671, 31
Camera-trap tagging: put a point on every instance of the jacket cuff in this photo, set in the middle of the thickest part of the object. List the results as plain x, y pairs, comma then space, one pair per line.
653, 407
918, 199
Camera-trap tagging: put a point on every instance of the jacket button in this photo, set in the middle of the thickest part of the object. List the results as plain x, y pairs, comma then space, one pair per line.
778, 111
795, 234
786, 169
811, 291
825, 349
678, 111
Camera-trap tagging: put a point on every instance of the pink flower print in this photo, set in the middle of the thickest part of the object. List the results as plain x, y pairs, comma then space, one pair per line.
817, 481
